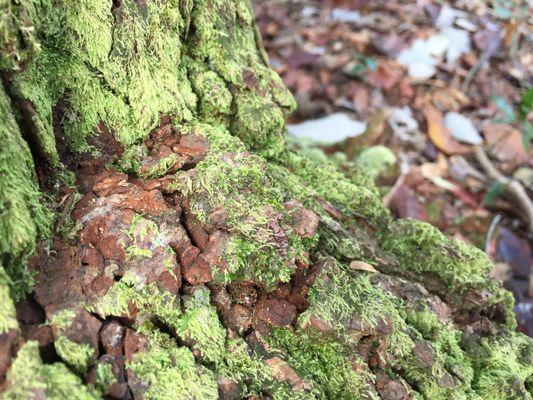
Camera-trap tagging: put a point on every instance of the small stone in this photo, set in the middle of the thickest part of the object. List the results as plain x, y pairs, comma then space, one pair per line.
390, 389
134, 342
305, 223
424, 353
192, 148
239, 318
284, 373
228, 389
197, 273
446, 380
170, 281
112, 337
109, 182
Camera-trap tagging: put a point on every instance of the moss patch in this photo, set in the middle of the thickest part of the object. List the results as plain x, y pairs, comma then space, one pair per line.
28, 376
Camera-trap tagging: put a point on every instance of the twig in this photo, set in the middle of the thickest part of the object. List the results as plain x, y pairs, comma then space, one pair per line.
491, 231
492, 47
513, 187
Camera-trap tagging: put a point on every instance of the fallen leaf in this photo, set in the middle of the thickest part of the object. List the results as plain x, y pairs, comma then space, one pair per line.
466, 197
462, 128
330, 129
441, 136
402, 122
385, 76
506, 142
343, 15
362, 266
406, 204
514, 251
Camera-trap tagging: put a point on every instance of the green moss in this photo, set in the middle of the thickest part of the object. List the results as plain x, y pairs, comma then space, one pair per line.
449, 359
423, 249
230, 358
150, 300
77, 355
104, 376
259, 98
8, 315
171, 372
161, 168
23, 217
200, 325
123, 71
17, 36
214, 96
240, 183
62, 319
340, 294
376, 161
502, 366
28, 377
321, 361
350, 195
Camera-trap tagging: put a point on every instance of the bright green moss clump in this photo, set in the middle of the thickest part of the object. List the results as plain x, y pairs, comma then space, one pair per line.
150, 300
323, 362
8, 317
422, 248
240, 183
28, 377
171, 371
355, 195
23, 216
501, 366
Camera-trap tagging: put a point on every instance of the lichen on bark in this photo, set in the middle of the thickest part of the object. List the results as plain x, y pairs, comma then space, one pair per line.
194, 255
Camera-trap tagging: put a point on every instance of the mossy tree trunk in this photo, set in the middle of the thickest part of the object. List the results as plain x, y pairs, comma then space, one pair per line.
158, 240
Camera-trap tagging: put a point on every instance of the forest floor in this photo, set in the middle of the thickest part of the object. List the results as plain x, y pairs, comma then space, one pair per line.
446, 88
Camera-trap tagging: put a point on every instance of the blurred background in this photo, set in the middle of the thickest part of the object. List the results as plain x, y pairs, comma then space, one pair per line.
433, 99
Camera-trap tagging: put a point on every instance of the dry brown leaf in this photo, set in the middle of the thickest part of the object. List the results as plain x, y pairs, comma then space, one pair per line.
441, 136
362, 266
505, 141
449, 99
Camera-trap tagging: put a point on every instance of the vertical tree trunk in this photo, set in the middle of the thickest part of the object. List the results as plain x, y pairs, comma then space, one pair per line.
158, 240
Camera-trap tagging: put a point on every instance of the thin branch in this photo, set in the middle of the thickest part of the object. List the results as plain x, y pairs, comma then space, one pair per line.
513, 187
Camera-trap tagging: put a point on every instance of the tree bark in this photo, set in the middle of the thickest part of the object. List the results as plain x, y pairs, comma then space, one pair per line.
158, 240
